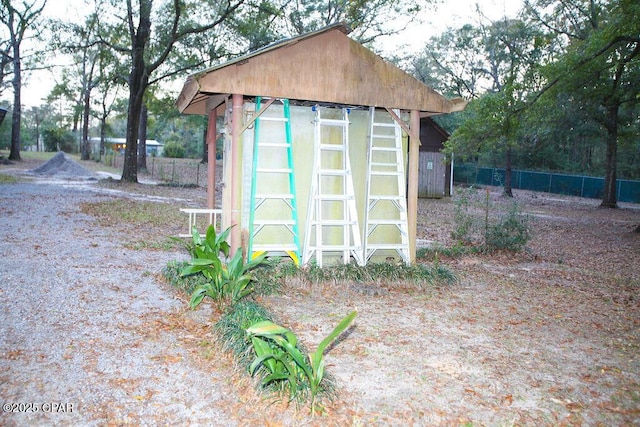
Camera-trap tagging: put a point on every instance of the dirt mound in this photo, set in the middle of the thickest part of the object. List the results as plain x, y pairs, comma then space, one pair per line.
63, 166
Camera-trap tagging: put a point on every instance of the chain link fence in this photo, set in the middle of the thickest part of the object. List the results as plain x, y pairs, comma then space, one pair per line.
183, 172
573, 185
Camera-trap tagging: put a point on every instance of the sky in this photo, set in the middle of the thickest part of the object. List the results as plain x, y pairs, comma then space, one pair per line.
448, 13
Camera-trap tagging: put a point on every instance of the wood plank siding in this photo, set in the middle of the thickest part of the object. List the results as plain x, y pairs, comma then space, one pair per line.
324, 67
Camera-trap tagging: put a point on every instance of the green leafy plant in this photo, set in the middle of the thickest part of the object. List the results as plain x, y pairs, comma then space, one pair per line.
276, 349
226, 283
499, 229
512, 233
211, 246
463, 219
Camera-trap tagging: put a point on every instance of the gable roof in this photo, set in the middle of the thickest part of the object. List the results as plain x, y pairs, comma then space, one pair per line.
325, 66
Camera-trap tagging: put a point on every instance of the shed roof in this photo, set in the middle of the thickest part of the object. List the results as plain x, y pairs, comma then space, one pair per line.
325, 66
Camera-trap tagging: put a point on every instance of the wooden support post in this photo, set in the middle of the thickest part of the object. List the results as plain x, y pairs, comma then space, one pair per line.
211, 159
236, 177
412, 191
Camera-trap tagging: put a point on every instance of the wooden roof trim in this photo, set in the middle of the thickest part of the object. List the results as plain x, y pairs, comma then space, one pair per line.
275, 45
364, 78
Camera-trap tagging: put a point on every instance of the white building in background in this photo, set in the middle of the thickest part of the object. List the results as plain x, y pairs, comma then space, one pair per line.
154, 148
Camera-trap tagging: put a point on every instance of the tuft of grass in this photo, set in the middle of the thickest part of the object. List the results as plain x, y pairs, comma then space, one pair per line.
186, 284
269, 277
231, 328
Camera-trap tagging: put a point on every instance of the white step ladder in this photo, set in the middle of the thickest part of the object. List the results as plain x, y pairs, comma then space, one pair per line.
273, 215
332, 220
386, 226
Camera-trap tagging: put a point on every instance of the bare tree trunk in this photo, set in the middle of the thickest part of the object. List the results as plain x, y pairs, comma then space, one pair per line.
138, 82
205, 148
86, 110
142, 138
103, 134
14, 154
609, 196
507, 173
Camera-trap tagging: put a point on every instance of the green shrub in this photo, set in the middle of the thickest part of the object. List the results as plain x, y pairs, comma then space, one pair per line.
464, 221
481, 227
511, 233
173, 150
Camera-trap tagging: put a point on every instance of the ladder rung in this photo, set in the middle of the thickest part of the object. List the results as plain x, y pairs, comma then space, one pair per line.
399, 222
273, 119
273, 170
333, 172
333, 122
333, 197
396, 246
385, 173
275, 196
257, 247
273, 222
334, 223
386, 197
385, 125
332, 147
335, 248
391, 149
274, 144
394, 165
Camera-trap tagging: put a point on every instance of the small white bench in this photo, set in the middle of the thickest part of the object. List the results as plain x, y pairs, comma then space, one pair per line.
210, 216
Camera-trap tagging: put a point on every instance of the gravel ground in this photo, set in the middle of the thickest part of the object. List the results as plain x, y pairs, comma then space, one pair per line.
75, 306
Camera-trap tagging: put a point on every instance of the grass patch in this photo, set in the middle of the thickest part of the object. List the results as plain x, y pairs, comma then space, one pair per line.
7, 179
37, 155
456, 251
274, 276
159, 245
152, 223
135, 213
417, 275
178, 185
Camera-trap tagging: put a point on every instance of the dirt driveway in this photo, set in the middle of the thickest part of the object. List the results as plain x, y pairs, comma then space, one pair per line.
547, 337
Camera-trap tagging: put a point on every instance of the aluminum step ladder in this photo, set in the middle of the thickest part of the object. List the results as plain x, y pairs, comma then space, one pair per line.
273, 216
332, 219
386, 225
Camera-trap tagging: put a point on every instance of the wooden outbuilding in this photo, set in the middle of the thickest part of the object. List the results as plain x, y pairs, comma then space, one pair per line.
321, 138
435, 171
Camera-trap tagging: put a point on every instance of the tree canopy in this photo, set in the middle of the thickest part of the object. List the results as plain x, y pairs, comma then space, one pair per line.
555, 89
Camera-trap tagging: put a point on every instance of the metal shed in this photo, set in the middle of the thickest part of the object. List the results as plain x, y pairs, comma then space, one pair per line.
319, 135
